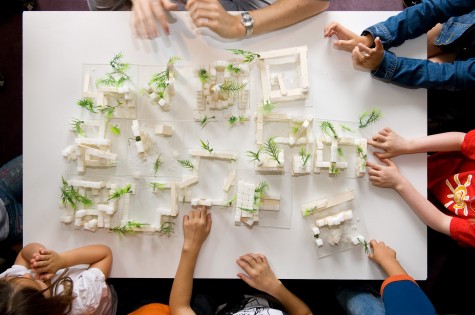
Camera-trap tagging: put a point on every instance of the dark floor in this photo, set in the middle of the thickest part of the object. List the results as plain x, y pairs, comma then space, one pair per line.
450, 274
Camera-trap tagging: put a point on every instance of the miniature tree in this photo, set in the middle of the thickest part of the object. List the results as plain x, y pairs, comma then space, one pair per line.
248, 55
203, 75
88, 104
206, 146
128, 229
167, 228
186, 164
272, 149
121, 191
370, 117
157, 186
327, 128
156, 165
118, 76
255, 156
69, 195
268, 106
205, 120
115, 130
77, 127
304, 155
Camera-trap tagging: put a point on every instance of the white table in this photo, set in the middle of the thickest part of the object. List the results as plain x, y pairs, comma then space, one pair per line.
57, 44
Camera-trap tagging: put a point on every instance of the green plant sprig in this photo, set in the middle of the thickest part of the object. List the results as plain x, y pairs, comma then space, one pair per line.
156, 165
88, 104
327, 128
368, 118
205, 120
365, 245
268, 106
157, 186
333, 169
271, 148
117, 77
203, 75
186, 164
340, 152
69, 195
231, 87
77, 127
206, 146
230, 202
167, 228
248, 55
121, 191
129, 229
304, 156
233, 69
255, 156
115, 130
259, 191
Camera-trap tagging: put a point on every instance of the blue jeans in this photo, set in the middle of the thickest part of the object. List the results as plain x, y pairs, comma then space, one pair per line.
11, 193
360, 301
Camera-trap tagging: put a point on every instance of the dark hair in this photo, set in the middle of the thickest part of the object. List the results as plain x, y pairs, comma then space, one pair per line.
19, 300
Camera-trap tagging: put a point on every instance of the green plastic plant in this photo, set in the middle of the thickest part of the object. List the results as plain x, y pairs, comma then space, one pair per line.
272, 149
370, 117
233, 120
161, 80
69, 195
186, 164
260, 190
233, 69
304, 156
206, 146
157, 186
230, 87
205, 120
88, 104
230, 202
255, 156
340, 152
346, 128
118, 76
156, 165
268, 107
121, 191
77, 127
365, 245
327, 128
128, 229
360, 152
167, 228
203, 75
115, 130
248, 55
333, 169
296, 127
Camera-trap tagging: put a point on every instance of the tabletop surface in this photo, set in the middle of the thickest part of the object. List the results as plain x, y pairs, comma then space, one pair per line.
59, 48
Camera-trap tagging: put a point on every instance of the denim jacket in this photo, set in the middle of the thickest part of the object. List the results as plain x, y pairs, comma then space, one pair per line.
457, 17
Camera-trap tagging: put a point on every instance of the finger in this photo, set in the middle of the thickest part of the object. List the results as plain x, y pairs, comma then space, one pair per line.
245, 278
209, 222
365, 50
203, 211
373, 165
160, 15
186, 218
381, 155
387, 161
378, 45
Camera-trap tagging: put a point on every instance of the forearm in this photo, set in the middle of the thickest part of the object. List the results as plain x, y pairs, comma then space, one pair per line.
292, 304
392, 267
89, 254
182, 288
424, 209
26, 254
284, 13
442, 142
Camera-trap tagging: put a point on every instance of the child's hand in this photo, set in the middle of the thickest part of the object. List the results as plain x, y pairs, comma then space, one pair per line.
368, 58
390, 142
196, 228
386, 176
382, 253
46, 263
347, 40
258, 275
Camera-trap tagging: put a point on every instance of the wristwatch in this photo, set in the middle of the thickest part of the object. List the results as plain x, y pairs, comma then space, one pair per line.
248, 22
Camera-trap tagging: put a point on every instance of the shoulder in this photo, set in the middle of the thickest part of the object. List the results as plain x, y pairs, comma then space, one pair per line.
15, 270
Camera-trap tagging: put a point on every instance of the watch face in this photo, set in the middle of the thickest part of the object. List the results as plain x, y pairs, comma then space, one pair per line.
247, 20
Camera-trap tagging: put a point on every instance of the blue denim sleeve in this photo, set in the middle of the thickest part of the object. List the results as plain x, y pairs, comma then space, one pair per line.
421, 73
417, 20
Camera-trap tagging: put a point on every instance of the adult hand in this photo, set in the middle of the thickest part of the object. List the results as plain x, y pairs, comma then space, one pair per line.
390, 142
146, 13
196, 228
211, 14
346, 39
258, 275
368, 58
386, 175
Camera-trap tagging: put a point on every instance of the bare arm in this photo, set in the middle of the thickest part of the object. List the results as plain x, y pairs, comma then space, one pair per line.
385, 257
393, 144
282, 13
47, 261
387, 175
26, 254
260, 276
196, 228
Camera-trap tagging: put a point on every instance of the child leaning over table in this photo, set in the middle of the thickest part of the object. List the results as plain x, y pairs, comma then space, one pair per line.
41, 282
450, 172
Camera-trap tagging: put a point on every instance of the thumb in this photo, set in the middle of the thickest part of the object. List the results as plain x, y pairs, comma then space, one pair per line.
378, 44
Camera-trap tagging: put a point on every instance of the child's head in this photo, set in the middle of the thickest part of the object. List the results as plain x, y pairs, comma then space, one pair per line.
25, 295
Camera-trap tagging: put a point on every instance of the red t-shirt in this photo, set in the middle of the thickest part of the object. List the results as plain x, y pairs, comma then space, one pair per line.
450, 176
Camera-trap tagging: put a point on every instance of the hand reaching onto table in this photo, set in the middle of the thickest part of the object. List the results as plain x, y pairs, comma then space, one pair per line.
390, 142
385, 175
258, 273
145, 15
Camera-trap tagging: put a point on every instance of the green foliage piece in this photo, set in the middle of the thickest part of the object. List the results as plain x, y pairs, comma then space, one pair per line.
156, 165
203, 75
128, 229
333, 169
254, 155
248, 55
230, 202
296, 126
340, 152
115, 130
186, 164
173, 60
233, 69
87, 103
268, 106
206, 146
206, 120
258, 192
368, 118
327, 128
117, 77
304, 155
241, 118
345, 127
167, 228
157, 186
271, 148
365, 245
360, 152
71, 196
108, 110
77, 127
231, 87
119, 192
233, 120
